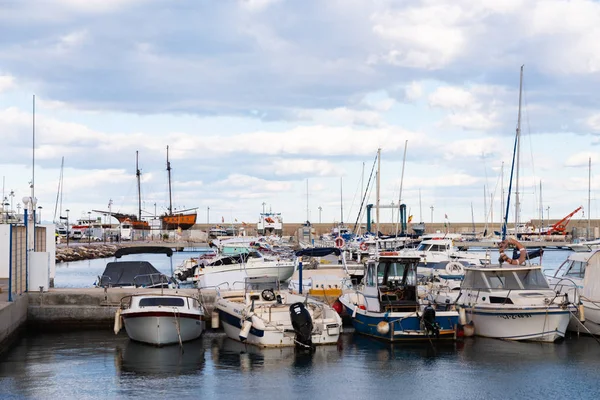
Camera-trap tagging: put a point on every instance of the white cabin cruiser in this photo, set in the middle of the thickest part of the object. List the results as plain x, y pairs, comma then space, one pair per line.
511, 303
579, 278
264, 316
160, 319
249, 264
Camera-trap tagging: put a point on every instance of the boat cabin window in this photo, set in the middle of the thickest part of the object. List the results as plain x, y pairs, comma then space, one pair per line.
370, 274
162, 301
395, 273
576, 269
505, 280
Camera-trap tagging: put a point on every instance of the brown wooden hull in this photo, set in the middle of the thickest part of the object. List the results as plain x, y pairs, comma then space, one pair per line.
178, 221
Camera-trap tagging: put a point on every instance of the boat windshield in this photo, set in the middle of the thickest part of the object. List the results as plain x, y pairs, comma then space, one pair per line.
162, 301
394, 273
576, 269
527, 279
432, 247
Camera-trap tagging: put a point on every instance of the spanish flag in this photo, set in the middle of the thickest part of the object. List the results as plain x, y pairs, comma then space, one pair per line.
409, 219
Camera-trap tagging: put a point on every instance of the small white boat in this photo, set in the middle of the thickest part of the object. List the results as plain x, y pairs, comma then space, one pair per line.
251, 263
160, 319
264, 316
511, 303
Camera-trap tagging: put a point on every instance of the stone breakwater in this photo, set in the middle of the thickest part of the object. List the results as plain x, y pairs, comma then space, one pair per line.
76, 253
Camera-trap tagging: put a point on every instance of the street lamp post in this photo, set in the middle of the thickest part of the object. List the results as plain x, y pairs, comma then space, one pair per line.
89, 230
548, 210
40, 214
431, 214
320, 209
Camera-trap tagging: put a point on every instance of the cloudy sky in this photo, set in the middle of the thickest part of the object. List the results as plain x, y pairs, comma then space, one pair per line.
258, 99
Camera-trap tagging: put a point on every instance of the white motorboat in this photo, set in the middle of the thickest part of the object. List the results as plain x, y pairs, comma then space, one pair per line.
578, 278
249, 264
511, 303
160, 319
264, 316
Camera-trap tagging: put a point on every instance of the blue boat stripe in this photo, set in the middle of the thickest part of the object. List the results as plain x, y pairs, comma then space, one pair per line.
236, 322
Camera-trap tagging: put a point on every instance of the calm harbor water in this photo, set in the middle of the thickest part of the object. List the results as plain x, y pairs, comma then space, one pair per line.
99, 364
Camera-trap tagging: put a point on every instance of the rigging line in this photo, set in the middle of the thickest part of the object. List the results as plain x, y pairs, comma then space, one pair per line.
353, 200
535, 196
365, 195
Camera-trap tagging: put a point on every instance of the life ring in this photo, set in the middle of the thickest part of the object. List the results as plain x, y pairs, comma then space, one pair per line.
364, 246
339, 242
455, 268
504, 258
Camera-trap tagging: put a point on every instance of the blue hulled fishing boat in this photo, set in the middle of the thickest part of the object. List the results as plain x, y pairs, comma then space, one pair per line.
386, 305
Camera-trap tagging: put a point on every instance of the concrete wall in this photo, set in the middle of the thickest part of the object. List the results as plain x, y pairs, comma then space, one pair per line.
50, 248
4, 250
12, 317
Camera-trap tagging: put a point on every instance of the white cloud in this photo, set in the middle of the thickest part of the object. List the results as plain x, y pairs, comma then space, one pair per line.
471, 120
581, 159
451, 97
593, 122
342, 115
72, 39
304, 167
257, 5
7, 82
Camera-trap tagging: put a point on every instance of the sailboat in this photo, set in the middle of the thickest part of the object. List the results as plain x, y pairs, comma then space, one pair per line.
184, 219
133, 221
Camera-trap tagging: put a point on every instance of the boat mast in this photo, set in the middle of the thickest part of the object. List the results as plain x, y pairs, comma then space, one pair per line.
59, 191
138, 174
169, 175
589, 196
378, 185
341, 202
401, 182
420, 208
541, 209
517, 202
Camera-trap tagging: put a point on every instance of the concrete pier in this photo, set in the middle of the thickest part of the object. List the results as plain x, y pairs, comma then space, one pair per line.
13, 315
60, 309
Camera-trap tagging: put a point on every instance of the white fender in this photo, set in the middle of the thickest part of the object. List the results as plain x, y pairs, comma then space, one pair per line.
581, 313
455, 268
214, 322
246, 325
118, 321
462, 316
383, 327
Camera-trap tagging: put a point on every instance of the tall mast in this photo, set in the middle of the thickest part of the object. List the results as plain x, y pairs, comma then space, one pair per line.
378, 185
169, 175
401, 182
138, 174
420, 208
589, 196
307, 209
502, 221
517, 203
541, 209
33, 156
59, 191
341, 202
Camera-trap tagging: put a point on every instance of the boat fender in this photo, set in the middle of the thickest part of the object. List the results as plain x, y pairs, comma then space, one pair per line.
383, 328
118, 322
455, 268
462, 316
364, 246
257, 323
469, 329
246, 325
214, 320
581, 313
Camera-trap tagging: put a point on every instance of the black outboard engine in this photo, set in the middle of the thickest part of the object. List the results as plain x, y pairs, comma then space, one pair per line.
428, 318
303, 326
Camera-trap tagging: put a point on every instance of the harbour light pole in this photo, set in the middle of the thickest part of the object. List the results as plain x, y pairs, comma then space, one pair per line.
89, 230
320, 209
548, 211
68, 233
431, 214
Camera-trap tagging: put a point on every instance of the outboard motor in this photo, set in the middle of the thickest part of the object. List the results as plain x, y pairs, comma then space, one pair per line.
428, 318
303, 326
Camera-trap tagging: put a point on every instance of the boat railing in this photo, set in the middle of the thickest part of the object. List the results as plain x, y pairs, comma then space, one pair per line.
574, 285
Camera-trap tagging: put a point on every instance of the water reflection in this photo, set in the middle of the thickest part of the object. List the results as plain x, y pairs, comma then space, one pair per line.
142, 359
231, 354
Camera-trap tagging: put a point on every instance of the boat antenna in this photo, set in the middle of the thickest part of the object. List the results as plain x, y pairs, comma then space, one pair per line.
169, 175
